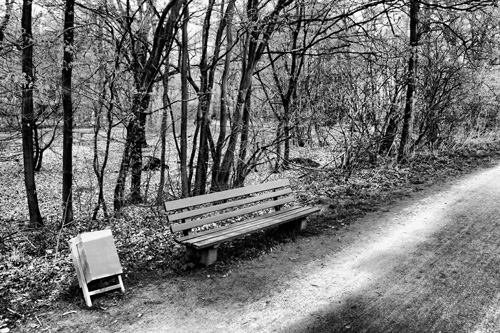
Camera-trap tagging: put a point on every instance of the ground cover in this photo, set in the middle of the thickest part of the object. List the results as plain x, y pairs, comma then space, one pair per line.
36, 271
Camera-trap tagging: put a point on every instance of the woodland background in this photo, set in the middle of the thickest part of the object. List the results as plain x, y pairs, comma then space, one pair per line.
110, 108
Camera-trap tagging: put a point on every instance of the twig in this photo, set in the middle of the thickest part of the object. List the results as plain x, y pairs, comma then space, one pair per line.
69, 312
30, 243
14, 312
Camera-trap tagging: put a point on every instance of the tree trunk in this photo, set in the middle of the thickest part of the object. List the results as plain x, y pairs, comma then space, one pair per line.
241, 167
405, 143
137, 137
279, 158
98, 116
100, 169
227, 162
204, 99
67, 70
286, 152
389, 135
28, 117
38, 156
119, 194
184, 104
39, 151
163, 137
5, 20
145, 73
223, 101
288, 92
258, 36
391, 128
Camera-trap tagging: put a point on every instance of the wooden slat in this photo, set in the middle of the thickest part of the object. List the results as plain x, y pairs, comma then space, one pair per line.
219, 229
239, 232
242, 225
201, 199
231, 204
250, 228
197, 223
103, 290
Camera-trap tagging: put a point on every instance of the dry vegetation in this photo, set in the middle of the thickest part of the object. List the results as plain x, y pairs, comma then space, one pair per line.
35, 266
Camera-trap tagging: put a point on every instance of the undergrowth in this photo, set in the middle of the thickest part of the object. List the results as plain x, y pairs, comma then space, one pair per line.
36, 268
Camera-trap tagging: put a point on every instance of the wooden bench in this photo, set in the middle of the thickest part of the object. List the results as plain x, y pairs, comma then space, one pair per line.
202, 223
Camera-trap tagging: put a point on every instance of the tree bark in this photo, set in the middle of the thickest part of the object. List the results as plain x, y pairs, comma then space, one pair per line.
405, 143
257, 39
204, 99
145, 73
99, 169
163, 137
137, 137
184, 104
242, 166
5, 20
207, 76
66, 78
391, 128
228, 160
217, 156
288, 92
28, 117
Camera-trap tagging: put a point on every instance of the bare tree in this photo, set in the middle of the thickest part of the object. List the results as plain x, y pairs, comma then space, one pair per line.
207, 76
223, 111
66, 84
147, 60
259, 33
407, 130
184, 104
5, 20
28, 117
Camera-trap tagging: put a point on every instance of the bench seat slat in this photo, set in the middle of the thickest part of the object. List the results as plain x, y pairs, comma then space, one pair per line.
197, 223
228, 194
203, 233
220, 207
243, 226
260, 225
242, 229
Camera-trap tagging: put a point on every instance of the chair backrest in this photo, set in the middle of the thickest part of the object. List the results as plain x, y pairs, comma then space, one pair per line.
192, 212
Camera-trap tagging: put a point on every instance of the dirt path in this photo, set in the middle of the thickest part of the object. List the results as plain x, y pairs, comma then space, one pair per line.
429, 264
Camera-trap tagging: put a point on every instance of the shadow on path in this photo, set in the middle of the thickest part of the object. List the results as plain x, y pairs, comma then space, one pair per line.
440, 275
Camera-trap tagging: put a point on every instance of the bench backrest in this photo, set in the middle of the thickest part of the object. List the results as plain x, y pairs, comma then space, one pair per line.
191, 212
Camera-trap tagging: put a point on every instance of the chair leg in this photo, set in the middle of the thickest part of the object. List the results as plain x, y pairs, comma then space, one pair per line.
120, 282
86, 295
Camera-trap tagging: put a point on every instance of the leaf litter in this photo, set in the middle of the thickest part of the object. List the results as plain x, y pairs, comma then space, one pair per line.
35, 266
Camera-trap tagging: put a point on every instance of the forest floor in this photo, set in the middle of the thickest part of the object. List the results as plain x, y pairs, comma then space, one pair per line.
363, 249
429, 263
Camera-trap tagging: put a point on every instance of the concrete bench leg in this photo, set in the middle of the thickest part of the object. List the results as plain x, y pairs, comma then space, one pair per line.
294, 226
208, 256
300, 225
205, 257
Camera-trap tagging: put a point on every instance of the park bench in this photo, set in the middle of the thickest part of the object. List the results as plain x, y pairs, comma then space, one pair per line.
203, 222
